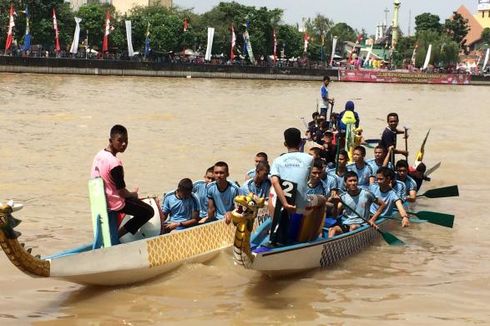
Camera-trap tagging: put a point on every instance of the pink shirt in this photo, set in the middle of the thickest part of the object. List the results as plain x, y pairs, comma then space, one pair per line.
104, 162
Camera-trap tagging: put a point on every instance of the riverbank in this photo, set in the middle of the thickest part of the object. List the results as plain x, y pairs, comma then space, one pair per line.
178, 70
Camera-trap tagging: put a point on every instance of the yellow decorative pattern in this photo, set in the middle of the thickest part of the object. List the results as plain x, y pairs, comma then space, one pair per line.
191, 242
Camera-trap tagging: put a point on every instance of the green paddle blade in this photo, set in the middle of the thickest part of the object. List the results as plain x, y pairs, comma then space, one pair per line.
450, 191
391, 239
441, 219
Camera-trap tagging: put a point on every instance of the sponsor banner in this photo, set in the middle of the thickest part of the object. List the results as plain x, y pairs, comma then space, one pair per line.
373, 76
483, 5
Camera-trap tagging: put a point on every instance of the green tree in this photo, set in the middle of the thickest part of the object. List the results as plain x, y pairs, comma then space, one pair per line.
485, 37
444, 52
290, 40
427, 22
404, 50
457, 28
344, 33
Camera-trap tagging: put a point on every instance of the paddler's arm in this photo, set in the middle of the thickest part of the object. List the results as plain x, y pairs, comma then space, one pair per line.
381, 207
412, 196
117, 174
211, 210
193, 221
387, 157
403, 213
280, 195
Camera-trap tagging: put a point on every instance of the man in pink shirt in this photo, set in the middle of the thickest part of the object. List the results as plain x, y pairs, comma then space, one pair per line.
107, 166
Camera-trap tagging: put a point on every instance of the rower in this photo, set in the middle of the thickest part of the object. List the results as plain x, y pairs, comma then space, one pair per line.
200, 190
339, 171
259, 157
363, 171
381, 158
382, 190
356, 199
410, 184
180, 208
221, 194
260, 184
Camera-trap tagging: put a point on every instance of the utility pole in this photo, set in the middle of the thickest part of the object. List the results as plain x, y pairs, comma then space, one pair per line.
409, 21
394, 25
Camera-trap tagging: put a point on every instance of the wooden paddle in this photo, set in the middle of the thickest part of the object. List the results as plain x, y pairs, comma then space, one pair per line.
441, 219
449, 191
406, 142
388, 237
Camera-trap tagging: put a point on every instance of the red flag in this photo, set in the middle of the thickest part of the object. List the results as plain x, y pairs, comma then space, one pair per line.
306, 40
274, 41
10, 36
186, 24
56, 33
105, 42
233, 42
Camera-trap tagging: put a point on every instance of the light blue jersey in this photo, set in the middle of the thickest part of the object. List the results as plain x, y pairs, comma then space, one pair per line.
201, 193
375, 166
360, 203
223, 200
410, 184
339, 179
261, 190
324, 95
363, 174
179, 210
331, 182
400, 189
251, 173
294, 167
321, 188
389, 197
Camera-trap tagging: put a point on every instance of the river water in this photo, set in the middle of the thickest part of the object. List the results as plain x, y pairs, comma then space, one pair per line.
52, 126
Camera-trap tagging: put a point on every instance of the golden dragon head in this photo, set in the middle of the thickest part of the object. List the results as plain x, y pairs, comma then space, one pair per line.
247, 208
7, 221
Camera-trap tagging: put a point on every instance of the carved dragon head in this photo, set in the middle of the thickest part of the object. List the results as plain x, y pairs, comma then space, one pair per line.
247, 208
7, 221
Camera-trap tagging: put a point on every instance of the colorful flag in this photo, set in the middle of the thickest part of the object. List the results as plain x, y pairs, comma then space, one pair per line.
233, 42
27, 36
274, 44
129, 38
105, 42
414, 54
147, 40
57, 47
334, 45
186, 24
248, 46
306, 39
10, 31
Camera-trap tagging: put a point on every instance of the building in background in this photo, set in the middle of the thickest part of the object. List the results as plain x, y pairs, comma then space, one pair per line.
122, 5
477, 22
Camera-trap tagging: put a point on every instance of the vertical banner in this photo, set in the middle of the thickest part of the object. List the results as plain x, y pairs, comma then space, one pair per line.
129, 38
248, 46
10, 31
427, 57
485, 62
306, 39
274, 44
107, 31
186, 24
233, 42
366, 61
334, 45
76, 36
414, 55
209, 47
27, 36
147, 40
322, 50
57, 47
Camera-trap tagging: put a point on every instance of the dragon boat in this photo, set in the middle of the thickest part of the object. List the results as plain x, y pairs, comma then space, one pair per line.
102, 262
253, 251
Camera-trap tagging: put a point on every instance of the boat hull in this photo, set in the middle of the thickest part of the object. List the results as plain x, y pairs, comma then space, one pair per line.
315, 254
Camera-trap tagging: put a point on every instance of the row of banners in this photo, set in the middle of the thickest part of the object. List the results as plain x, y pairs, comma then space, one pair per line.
247, 45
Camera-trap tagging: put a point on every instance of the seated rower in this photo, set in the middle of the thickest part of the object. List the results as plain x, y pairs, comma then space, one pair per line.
180, 208
316, 186
418, 174
339, 172
221, 194
382, 190
259, 157
410, 184
381, 158
356, 199
200, 190
260, 184
363, 171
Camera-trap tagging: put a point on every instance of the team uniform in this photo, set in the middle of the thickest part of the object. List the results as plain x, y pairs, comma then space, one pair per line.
388, 138
410, 184
261, 190
199, 189
339, 179
389, 197
375, 166
324, 95
178, 209
400, 189
360, 203
363, 174
223, 200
